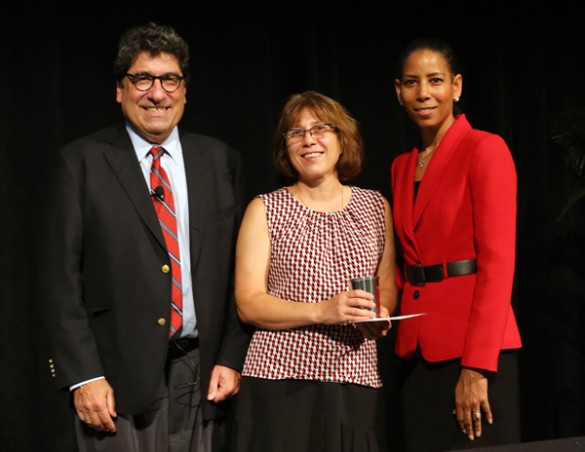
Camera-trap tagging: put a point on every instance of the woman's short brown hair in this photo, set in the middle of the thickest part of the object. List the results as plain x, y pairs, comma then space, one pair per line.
329, 111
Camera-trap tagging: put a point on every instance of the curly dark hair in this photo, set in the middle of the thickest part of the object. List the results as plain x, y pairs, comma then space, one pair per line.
154, 39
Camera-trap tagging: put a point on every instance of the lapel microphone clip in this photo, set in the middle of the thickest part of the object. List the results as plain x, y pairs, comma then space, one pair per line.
158, 192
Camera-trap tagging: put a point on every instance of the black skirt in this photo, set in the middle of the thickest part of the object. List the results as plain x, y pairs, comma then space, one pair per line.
306, 416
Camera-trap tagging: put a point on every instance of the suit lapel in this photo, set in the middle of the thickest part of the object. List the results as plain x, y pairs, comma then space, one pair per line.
197, 174
122, 159
437, 166
405, 183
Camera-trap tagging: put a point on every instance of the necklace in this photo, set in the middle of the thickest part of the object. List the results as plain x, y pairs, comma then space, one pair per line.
420, 162
306, 205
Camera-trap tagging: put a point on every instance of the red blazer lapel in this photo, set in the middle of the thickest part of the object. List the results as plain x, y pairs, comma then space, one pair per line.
403, 198
436, 167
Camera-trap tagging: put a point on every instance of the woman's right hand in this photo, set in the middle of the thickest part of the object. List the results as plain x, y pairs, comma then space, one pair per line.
345, 307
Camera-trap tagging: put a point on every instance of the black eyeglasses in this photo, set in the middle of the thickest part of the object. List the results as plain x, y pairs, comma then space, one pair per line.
318, 131
143, 82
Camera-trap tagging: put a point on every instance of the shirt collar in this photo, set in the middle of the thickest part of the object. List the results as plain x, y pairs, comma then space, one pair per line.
142, 147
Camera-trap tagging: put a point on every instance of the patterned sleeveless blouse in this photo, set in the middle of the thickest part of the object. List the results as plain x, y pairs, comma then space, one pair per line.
314, 257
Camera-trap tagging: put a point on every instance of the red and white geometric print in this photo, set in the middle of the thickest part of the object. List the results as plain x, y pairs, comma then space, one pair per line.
314, 256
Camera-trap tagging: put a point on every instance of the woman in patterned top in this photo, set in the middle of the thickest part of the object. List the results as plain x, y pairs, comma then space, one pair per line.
310, 380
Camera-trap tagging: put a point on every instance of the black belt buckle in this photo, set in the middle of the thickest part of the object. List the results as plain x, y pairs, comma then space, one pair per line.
416, 274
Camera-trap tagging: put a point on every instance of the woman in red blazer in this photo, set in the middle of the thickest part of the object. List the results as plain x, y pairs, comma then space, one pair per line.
454, 202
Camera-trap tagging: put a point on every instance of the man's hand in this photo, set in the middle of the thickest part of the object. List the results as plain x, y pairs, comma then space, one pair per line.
95, 405
225, 382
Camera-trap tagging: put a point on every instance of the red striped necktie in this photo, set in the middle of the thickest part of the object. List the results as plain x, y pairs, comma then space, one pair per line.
164, 204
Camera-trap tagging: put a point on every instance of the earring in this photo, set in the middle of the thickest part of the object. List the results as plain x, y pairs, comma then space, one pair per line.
400, 101
456, 98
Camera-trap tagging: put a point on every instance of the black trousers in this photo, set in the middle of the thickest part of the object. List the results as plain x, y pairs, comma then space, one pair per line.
428, 399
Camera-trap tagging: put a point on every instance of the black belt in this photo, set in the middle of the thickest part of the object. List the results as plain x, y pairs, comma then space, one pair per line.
180, 347
418, 275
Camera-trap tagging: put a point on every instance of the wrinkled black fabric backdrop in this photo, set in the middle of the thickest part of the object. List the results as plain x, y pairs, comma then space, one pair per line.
523, 68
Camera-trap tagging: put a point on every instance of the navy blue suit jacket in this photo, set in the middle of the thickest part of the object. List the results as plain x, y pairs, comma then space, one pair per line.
104, 297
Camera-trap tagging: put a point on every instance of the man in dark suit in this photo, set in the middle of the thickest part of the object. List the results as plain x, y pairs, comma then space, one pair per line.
108, 270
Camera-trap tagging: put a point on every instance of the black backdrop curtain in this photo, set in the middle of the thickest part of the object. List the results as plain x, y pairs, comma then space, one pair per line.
523, 68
